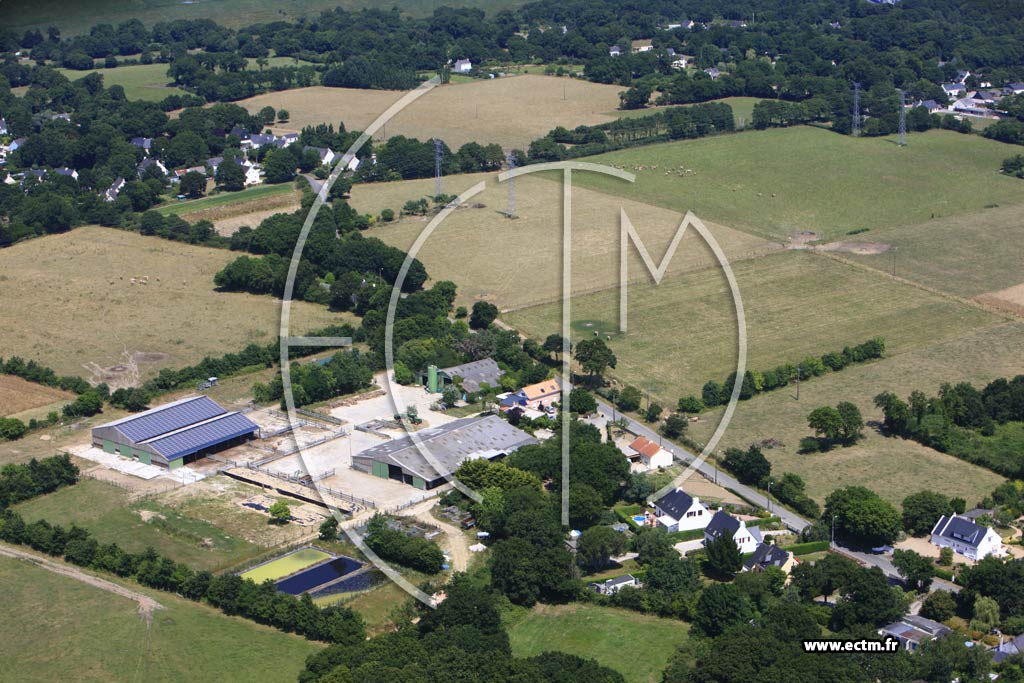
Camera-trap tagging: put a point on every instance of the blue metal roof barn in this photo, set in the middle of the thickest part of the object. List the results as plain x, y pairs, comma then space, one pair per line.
175, 433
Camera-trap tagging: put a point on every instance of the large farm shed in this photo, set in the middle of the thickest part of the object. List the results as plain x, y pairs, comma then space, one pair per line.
449, 446
176, 433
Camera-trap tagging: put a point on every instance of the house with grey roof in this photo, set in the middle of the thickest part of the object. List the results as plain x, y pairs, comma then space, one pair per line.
614, 51
713, 72
426, 458
1007, 649
112, 192
145, 144
912, 630
954, 90
968, 538
679, 511
462, 66
150, 165
769, 555
722, 523
613, 586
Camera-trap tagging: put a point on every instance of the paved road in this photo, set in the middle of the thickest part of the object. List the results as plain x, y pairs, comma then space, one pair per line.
789, 518
792, 520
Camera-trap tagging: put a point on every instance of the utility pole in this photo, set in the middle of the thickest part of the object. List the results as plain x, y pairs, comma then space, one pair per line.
799, 370
438, 155
833, 543
894, 261
903, 119
510, 159
855, 131
770, 496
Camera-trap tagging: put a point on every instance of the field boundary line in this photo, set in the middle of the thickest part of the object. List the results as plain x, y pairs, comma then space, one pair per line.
1005, 315
702, 266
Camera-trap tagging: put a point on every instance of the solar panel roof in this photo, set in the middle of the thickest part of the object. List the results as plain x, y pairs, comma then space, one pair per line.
202, 436
168, 418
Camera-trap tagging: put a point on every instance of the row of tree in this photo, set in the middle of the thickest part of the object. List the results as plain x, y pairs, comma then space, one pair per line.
962, 421
230, 593
754, 382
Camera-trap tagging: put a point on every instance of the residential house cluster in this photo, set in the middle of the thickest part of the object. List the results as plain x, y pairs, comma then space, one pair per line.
679, 511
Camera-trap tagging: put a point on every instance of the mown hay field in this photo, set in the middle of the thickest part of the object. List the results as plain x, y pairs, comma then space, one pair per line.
892, 467
684, 331
71, 302
517, 262
510, 111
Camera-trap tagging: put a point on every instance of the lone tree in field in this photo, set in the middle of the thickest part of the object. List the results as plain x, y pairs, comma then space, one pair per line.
282, 115
595, 357
280, 513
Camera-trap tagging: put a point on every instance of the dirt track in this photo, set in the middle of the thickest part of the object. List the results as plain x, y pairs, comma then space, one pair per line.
457, 543
146, 603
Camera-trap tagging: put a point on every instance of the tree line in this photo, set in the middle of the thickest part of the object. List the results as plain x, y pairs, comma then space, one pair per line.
754, 382
262, 603
963, 421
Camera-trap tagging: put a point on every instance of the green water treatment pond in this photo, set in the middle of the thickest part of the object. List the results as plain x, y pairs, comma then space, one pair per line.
286, 565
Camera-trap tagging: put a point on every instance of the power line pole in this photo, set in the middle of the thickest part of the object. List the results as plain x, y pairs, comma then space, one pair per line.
903, 119
856, 110
510, 159
438, 155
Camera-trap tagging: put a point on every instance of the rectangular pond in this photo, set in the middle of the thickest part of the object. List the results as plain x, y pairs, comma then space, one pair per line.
318, 575
285, 565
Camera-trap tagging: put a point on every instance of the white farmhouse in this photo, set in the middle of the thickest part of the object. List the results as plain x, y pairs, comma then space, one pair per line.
746, 539
973, 541
679, 511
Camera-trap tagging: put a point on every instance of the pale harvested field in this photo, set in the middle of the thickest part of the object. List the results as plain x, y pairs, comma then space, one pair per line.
70, 302
517, 262
18, 395
510, 111
230, 225
892, 467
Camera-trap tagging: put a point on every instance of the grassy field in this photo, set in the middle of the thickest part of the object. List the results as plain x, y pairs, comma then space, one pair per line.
106, 511
509, 111
75, 304
98, 636
140, 81
742, 110
636, 645
965, 255
683, 332
494, 252
892, 467
243, 201
18, 395
74, 18
776, 182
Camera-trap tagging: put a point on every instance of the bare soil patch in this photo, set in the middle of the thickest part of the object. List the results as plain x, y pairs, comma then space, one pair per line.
855, 247
18, 395
1010, 299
